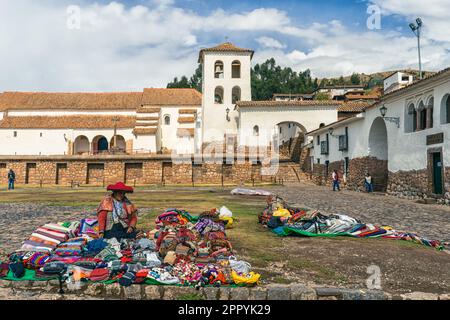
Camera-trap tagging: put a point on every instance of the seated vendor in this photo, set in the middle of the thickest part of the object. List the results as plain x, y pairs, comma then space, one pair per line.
117, 216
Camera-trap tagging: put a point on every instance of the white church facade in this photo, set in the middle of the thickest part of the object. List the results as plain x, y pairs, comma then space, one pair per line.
181, 121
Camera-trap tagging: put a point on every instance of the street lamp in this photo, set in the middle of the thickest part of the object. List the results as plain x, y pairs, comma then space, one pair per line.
416, 28
396, 120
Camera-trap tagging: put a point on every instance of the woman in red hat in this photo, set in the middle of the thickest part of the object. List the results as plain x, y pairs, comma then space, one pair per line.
117, 216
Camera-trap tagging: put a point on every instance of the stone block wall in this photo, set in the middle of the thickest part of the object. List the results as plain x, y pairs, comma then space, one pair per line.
411, 185
70, 170
358, 168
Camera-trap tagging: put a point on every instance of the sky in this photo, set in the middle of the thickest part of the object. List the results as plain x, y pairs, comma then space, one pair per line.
126, 45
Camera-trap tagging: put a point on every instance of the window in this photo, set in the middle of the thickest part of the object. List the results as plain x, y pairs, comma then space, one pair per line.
236, 69
15, 134
167, 120
256, 131
281, 130
422, 116
236, 95
40, 134
430, 113
445, 109
318, 161
324, 147
343, 141
411, 123
218, 70
218, 95
318, 140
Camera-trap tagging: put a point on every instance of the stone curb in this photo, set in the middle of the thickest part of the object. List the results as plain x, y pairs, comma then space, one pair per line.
41, 290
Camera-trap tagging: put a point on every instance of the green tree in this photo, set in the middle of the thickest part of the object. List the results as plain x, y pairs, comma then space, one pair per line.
355, 79
195, 82
321, 96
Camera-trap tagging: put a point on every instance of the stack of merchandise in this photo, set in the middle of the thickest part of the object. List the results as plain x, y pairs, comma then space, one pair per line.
181, 250
285, 220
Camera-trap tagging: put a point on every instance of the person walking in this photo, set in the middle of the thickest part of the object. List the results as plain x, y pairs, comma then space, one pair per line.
368, 183
11, 179
335, 178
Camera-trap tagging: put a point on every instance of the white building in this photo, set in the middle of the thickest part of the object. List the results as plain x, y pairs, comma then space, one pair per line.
406, 151
181, 121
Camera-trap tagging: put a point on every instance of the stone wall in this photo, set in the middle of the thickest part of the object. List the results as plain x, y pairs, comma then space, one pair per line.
48, 290
99, 171
358, 168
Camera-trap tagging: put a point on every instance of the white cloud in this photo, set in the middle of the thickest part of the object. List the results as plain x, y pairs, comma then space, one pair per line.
128, 48
268, 42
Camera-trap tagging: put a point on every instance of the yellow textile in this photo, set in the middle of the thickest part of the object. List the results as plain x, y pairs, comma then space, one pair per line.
282, 213
228, 221
251, 278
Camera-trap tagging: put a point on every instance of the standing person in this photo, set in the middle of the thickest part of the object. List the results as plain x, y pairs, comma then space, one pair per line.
117, 216
368, 183
335, 177
11, 179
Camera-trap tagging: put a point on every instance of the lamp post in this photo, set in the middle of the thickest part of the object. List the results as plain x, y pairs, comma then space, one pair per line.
417, 28
396, 120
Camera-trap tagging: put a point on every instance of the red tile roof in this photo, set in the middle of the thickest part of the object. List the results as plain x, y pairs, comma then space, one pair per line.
273, 103
224, 47
171, 97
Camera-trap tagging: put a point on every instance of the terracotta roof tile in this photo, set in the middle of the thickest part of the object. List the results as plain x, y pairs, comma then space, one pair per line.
187, 111
148, 110
354, 106
273, 103
224, 47
171, 97
66, 122
185, 132
186, 120
85, 101
144, 131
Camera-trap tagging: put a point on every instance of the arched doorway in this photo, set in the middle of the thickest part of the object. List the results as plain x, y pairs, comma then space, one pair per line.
81, 145
121, 144
378, 154
288, 137
100, 144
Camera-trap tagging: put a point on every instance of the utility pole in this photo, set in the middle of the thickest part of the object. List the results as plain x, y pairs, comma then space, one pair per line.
417, 28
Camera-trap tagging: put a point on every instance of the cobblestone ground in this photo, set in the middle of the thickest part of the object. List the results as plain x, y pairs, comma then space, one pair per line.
19, 220
432, 221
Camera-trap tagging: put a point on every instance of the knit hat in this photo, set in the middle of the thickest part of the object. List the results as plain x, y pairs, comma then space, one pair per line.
101, 274
4, 268
17, 269
54, 267
127, 279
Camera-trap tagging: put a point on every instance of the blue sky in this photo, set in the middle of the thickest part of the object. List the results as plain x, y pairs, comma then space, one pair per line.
131, 44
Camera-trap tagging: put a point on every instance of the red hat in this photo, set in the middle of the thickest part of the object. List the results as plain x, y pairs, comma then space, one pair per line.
120, 186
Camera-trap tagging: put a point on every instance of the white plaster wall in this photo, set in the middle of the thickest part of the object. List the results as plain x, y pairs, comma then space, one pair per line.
145, 144
215, 124
52, 142
267, 119
406, 151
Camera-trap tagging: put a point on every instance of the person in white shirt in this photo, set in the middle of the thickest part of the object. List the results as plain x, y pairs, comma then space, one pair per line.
368, 183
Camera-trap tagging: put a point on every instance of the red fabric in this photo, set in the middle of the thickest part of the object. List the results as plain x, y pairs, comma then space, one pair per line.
101, 217
120, 186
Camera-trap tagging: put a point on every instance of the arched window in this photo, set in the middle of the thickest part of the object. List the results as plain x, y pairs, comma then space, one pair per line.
430, 112
236, 95
422, 116
218, 95
445, 109
236, 69
256, 131
218, 70
411, 123
167, 120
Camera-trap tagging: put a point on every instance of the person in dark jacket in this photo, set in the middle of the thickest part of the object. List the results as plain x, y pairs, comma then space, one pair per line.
11, 179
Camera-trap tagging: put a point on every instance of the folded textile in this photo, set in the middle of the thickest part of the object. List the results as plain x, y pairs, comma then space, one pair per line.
99, 274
